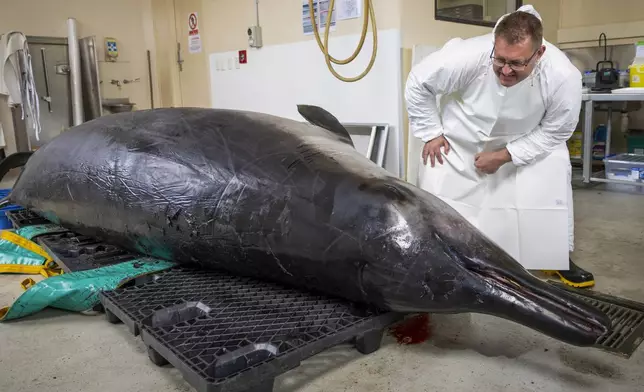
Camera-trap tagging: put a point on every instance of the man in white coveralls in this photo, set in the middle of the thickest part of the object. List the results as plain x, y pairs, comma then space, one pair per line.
495, 112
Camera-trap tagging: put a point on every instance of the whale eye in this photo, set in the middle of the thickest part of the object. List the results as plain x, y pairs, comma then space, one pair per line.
393, 192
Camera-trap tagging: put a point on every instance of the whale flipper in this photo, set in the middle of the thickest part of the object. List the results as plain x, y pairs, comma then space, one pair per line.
322, 118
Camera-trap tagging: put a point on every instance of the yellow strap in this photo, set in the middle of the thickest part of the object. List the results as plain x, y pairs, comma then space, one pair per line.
21, 269
27, 283
52, 265
47, 270
24, 243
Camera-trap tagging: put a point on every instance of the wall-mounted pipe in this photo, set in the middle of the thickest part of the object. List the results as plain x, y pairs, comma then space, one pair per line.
75, 72
257, 11
90, 78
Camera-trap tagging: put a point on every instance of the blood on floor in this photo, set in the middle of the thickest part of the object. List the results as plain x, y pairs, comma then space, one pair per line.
413, 330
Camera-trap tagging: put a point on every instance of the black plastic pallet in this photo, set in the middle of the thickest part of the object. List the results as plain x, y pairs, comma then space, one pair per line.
229, 333
24, 217
72, 252
80, 253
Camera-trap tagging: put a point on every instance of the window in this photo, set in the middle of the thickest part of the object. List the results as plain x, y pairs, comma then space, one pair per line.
476, 12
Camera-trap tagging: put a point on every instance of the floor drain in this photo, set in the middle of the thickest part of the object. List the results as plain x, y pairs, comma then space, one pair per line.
627, 320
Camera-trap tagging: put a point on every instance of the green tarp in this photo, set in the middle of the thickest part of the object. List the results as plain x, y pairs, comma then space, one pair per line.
75, 291
79, 291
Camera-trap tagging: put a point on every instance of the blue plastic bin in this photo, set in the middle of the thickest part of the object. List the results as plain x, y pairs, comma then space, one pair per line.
5, 223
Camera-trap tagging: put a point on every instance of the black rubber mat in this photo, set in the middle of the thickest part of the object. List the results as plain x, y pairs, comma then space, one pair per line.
228, 333
627, 330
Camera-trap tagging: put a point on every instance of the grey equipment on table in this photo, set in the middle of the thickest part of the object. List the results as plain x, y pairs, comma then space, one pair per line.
606, 78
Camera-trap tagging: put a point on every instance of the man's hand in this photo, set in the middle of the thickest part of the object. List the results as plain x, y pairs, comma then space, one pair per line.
490, 162
433, 150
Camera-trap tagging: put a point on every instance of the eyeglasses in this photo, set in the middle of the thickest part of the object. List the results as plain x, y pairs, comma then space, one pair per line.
514, 65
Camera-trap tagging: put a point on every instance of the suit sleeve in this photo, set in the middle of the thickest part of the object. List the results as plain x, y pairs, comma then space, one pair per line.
556, 127
443, 72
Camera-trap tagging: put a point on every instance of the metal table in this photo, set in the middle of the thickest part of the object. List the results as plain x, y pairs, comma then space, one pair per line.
587, 132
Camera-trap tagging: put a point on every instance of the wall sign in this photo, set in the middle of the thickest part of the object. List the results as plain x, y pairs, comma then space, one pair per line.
242, 57
194, 38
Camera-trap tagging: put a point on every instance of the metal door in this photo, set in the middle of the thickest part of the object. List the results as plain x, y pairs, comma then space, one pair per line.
50, 63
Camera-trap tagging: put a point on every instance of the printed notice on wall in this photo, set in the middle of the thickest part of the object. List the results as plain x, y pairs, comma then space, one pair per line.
321, 12
194, 38
194, 43
348, 9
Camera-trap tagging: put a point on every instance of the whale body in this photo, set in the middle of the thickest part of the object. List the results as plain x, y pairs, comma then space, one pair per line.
287, 201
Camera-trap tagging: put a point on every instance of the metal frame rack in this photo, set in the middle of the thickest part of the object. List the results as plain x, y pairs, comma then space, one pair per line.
587, 132
378, 138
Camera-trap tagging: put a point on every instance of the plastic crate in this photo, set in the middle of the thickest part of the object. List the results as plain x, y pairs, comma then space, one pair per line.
625, 167
635, 143
5, 223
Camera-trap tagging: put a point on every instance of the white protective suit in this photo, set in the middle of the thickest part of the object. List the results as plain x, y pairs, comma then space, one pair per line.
526, 206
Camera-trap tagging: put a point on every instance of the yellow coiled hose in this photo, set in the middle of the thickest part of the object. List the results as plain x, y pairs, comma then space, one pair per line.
368, 12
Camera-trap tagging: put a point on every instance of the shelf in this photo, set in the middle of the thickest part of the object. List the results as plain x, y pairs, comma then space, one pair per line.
580, 161
607, 97
600, 176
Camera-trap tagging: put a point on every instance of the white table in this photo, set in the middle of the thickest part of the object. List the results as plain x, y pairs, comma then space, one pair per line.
587, 130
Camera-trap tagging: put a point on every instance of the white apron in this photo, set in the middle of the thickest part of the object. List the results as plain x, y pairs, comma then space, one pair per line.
525, 210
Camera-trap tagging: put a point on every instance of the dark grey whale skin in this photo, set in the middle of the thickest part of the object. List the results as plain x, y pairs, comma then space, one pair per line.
286, 201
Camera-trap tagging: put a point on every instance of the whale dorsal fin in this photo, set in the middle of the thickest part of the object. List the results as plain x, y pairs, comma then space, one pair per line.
320, 117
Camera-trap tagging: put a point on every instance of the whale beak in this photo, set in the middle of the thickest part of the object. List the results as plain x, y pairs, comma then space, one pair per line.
527, 300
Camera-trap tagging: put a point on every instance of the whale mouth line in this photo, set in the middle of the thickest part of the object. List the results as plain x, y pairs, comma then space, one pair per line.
546, 304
